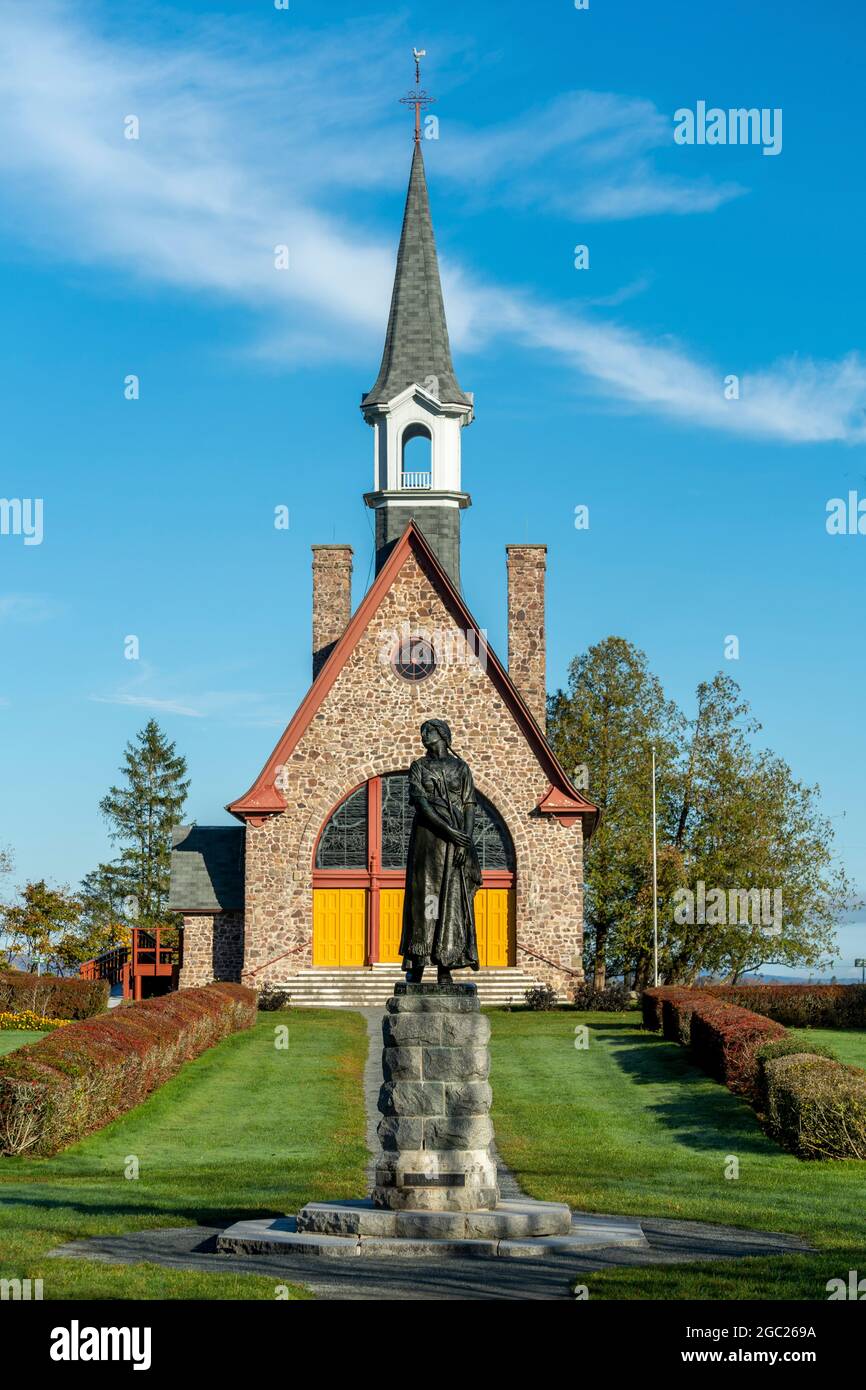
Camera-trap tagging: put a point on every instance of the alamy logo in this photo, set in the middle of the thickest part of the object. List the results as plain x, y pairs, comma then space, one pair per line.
22, 516
854, 1288
716, 907
737, 126
77, 1343
20, 1290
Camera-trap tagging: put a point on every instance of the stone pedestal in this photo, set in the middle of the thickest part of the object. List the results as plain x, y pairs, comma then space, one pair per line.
435, 1129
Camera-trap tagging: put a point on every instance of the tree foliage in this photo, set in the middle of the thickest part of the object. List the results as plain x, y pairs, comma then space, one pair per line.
730, 816
141, 813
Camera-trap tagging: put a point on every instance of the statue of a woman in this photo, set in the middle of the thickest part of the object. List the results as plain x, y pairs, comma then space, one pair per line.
442, 870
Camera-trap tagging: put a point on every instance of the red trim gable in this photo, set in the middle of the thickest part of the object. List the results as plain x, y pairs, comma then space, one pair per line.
561, 800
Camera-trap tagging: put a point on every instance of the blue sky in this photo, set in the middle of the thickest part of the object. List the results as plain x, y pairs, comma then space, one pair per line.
601, 387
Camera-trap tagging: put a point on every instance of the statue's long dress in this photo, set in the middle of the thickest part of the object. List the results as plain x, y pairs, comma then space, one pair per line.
438, 910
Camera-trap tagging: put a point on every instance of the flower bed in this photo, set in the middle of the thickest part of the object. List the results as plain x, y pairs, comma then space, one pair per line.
29, 1022
80, 1077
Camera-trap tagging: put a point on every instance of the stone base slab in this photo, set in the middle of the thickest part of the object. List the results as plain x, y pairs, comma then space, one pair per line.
509, 1220
284, 1236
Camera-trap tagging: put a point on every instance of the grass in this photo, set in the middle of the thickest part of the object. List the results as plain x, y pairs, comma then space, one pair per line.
244, 1131
848, 1044
10, 1038
628, 1126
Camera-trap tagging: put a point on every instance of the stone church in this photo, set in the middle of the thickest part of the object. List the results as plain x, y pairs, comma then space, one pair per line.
307, 892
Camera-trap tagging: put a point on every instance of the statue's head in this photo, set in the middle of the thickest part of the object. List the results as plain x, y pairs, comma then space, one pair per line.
435, 731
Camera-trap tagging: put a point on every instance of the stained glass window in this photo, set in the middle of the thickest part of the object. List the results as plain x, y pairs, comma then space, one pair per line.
492, 840
343, 844
397, 813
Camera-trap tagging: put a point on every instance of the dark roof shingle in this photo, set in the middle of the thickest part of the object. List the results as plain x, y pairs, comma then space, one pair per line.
207, 868
416, 343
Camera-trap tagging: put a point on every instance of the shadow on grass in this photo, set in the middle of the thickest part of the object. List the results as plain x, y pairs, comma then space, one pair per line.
697, 1111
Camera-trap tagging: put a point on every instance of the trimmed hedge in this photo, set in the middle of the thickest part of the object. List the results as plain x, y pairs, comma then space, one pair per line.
817, 1107
54, 996
800, 1006
725, 1040
814, 1106
56, 1090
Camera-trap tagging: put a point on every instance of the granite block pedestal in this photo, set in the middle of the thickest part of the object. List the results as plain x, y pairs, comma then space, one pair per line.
436, 1189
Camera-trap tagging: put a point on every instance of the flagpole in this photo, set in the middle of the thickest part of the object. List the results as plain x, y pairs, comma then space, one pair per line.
655, 883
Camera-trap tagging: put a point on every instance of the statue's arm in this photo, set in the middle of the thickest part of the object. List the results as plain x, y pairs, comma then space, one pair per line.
419, 800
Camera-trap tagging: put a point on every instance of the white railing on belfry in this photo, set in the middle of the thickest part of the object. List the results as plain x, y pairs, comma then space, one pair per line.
415, 480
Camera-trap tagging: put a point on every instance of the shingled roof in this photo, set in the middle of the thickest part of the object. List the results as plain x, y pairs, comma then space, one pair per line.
207, 868
416, 344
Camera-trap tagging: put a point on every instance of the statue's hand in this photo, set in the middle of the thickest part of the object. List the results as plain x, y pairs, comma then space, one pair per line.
461, 839
459, 856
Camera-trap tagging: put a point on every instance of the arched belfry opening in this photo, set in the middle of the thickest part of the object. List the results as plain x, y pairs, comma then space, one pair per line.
359, 878
416, 458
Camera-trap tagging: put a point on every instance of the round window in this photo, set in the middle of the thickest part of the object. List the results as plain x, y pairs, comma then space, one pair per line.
414, 659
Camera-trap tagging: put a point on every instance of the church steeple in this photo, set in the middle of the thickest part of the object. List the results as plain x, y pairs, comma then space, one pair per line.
416, 343
416, 394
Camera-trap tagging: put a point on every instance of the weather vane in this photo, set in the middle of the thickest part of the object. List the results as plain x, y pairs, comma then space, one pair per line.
419, 97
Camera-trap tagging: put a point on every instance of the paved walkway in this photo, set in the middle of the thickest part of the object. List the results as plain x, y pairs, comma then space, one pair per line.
667, 1242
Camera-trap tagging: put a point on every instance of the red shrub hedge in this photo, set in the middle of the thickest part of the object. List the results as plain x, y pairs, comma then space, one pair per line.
53, 996
80, 1077
800, 1006
724, 1040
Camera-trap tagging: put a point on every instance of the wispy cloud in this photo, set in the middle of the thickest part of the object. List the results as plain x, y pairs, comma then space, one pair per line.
149, 689
26, 608
243, 148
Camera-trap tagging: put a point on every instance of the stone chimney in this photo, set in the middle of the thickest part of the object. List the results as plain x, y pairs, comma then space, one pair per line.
332, 599
527, 661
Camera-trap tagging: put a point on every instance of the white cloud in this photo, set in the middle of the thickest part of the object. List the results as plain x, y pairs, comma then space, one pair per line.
243, 148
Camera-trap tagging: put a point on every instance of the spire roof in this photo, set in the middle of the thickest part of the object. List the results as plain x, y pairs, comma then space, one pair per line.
416, 343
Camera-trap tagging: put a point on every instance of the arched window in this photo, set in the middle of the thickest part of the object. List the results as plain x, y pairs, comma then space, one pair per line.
416, 462
345, 840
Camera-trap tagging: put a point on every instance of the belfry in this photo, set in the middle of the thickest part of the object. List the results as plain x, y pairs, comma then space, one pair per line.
307, 892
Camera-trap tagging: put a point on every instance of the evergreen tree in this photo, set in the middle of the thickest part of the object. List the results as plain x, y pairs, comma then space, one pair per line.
141, 814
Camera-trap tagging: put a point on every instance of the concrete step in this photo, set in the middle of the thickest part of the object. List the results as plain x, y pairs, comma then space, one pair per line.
371, 986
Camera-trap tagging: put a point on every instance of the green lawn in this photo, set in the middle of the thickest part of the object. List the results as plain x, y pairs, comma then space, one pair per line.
628, 1126
10, 1038
848, 1044
244, 1131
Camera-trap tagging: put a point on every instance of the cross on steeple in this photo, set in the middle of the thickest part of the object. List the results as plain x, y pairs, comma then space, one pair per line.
419, 97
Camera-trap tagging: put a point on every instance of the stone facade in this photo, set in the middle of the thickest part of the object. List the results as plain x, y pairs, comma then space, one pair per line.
332, 599
367, 725
213, 948
527, 663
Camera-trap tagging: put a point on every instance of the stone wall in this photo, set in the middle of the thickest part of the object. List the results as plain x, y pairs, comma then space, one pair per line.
527, 664
367, 725
332, 599
213, 948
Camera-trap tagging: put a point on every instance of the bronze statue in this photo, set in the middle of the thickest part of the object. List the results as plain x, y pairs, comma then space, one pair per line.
442, 869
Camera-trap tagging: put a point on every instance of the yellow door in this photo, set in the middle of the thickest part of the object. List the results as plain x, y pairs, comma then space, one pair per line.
390, 923
494, 922
339, 926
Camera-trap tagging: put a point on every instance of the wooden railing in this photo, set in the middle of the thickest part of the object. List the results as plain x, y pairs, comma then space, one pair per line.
146, 957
